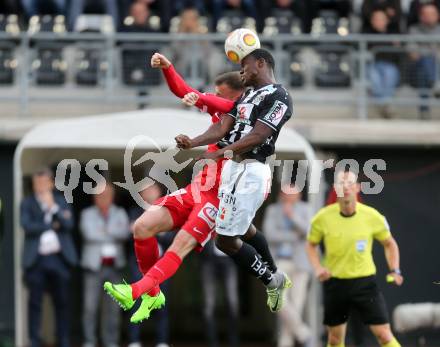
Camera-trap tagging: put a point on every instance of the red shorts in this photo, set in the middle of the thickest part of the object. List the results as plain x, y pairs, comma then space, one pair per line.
193, 211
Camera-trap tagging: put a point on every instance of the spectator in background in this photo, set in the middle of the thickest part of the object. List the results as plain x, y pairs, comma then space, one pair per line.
140, 13
180, 5
104, 228
296, 7
162, 8
383, 73
285, 224
200, 55
77, 8
37, 7
218, 268
161, 320
424, 55
414, 9
48, 254
392, 8
247, 7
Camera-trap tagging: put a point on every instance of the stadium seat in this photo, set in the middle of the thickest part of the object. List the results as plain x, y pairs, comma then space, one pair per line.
9, 24
47, 23
98, 23
88, 67
153, 22
134, 71
49, 67
333, 70
296, 70
282, 22
8, 63
232, 20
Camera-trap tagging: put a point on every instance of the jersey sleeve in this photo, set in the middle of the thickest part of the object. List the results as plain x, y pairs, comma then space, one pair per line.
276, 109
176, 83
212, 103
381, 228
316, 230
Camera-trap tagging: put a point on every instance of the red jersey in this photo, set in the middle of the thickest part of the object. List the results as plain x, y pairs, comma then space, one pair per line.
210, 103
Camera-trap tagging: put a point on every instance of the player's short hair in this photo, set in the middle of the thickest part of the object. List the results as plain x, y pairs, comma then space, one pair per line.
231, 79
261, 53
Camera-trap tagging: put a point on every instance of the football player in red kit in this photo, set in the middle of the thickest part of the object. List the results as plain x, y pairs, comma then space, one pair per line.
191, 210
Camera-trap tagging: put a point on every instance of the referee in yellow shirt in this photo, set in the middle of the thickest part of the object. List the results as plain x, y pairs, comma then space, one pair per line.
347, 229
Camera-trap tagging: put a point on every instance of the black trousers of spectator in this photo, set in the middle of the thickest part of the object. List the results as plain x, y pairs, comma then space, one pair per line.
223, 270
50, 273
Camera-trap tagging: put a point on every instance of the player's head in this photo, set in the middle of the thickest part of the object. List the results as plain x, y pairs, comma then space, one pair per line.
257, 66
346, 185
228, 85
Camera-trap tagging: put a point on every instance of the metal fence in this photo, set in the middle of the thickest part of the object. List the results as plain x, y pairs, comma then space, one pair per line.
96, 68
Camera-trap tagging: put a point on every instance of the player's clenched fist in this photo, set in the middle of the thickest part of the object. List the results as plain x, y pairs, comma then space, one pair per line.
190, 99
159, 61
183, 142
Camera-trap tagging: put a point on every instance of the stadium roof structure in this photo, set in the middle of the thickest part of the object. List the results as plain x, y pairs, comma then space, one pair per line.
108, 136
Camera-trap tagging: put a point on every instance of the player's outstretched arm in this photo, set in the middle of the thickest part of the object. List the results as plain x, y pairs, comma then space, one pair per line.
175, 82
214, 134
256, 137
180, 88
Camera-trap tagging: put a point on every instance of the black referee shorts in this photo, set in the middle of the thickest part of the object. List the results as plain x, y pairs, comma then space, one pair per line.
361, 294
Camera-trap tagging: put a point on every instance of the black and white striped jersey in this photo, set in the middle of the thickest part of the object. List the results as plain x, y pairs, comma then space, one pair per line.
271, 105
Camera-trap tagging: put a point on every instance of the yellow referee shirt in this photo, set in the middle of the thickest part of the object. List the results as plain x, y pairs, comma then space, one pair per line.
348, 241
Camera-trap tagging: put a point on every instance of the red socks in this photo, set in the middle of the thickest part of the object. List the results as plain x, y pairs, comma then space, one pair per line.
147, 253
159, 272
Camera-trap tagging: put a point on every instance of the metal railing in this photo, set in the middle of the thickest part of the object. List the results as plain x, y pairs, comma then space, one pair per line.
298, 58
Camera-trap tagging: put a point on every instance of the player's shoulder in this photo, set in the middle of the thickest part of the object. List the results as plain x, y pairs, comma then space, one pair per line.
328, 211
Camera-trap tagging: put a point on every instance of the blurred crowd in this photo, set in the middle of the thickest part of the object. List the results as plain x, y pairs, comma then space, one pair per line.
105, 253
137, 14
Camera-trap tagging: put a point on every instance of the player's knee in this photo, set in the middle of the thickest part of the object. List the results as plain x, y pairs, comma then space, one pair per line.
143, 229
227, 245
182, 244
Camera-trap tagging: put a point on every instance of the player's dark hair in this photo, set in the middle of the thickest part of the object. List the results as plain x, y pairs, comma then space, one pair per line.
231, 79
261, 53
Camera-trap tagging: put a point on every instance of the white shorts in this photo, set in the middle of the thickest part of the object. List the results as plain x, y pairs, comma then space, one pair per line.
243, 188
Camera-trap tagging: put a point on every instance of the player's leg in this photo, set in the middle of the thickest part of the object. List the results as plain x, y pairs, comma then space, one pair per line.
384, 336
166, 266
243, 190
154, 220
257, 240
168, 213
336, 335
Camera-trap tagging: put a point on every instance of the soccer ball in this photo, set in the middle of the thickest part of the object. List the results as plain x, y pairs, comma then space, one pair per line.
240, 43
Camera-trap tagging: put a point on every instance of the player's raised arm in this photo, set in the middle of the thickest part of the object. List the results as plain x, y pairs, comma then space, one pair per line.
214, 133
175, 82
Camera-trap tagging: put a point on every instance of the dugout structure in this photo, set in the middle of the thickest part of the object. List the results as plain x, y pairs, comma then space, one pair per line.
106, 137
